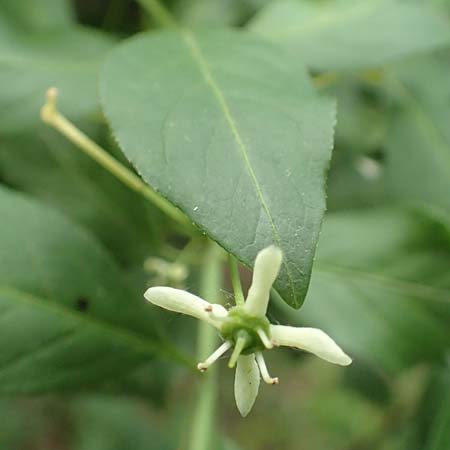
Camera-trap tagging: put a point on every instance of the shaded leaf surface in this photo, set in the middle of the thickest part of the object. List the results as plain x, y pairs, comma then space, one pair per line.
104, 423
230, 130
418, 163
336, 35
381, 288
45, 165
438, 406
31, 62
38, 14
68, 318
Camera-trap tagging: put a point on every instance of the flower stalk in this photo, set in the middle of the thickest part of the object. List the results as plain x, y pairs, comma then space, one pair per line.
203, 419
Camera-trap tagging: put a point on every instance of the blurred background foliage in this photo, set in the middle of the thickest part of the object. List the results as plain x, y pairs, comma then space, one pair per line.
381, 281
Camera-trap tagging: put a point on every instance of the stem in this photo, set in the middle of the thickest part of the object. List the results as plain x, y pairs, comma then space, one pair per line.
203, 421
236, 280
51, 116
159, 12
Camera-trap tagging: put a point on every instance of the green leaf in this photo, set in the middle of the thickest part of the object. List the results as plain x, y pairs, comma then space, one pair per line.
438, 406
355, 178
418, 161
50, 168
337, 35
232, 134
103, 423
31, 62
68, 317
381, 288
38, 14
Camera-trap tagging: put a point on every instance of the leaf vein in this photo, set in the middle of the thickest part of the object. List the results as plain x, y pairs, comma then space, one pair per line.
198, 58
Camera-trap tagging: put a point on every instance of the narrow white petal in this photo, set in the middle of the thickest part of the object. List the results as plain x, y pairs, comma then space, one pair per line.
311, 340
216, 312
183, 302
267, 266
246, 383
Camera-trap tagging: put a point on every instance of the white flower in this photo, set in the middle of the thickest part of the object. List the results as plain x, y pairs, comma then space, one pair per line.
247, 330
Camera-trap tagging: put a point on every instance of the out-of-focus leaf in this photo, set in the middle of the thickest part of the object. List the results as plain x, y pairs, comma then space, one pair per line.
103, 423
34, 424
211, 12
355, 178
418, 160
381, 288
368, 381
68, 318
344, 34
48, 167
233, 134
31, 62
217, 12
438, 407
38, 14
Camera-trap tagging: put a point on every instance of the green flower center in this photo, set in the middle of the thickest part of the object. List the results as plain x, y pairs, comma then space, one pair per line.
240, 323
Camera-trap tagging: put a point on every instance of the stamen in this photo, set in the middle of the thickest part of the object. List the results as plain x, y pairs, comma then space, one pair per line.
264, 338
263, 369
203, 366
239, 346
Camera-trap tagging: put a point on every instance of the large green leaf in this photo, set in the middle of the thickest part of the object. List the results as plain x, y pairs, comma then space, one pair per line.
344, 34
68, 318
32, 61
381, 287
228, 128
418, 160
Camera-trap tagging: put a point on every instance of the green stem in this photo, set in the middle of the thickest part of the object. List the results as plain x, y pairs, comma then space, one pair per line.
51, 116
236, 280
203, 420
159, 12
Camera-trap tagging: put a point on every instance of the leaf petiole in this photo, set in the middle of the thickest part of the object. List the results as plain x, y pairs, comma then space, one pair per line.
51, 116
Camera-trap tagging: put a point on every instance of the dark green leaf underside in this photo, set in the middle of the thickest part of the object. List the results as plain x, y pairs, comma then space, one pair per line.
228, 128
68, 318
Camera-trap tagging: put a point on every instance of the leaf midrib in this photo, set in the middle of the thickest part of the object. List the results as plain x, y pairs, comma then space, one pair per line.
202, 65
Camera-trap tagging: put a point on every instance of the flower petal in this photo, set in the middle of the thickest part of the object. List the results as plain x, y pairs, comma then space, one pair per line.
311, 340
267, 266
185, 303
246, 383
